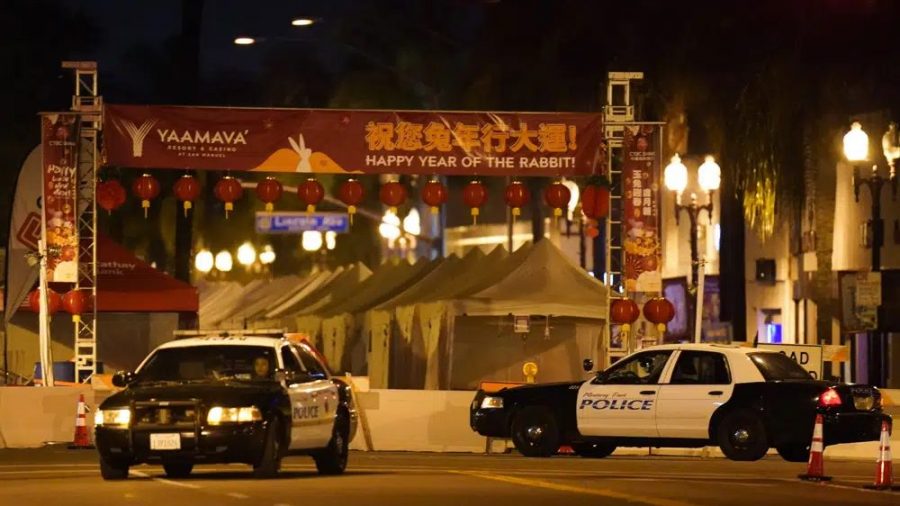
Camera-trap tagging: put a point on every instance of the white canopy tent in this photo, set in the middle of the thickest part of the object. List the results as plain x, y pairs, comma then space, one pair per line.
306, 319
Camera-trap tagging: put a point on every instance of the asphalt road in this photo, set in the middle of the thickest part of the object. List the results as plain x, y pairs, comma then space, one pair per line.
53, 476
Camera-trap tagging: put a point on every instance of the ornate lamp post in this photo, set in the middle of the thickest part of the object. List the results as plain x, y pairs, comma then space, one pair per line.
676, 179
856, 150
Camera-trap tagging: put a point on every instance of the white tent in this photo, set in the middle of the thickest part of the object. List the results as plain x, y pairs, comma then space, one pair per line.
224, 301
340, 332
292, 302
306, 319
260, 299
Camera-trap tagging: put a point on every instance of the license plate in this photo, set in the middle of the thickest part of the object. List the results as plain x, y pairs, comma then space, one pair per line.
165, 441
863, 403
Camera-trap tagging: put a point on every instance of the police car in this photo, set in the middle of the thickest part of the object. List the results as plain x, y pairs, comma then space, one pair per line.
745, 400
226, 398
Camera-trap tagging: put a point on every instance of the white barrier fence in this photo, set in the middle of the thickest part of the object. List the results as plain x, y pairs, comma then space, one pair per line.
397, 420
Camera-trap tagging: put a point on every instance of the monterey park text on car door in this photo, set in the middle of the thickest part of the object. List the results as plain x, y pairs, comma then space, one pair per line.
744, 400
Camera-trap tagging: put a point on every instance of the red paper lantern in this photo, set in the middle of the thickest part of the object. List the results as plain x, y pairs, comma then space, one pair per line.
311, 192
53, 301
110, 195
557, 196
393, 195
517, 197
228, 189
351, 193
475, 196
75, 303
595, 201
269, 191
146, 188
187, 189
659, 311
434, 194
624, 312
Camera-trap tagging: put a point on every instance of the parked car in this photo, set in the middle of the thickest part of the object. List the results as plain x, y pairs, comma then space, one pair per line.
226, 397
745, 400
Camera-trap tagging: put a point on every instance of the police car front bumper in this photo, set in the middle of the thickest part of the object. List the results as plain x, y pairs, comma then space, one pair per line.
853, 427
242, 443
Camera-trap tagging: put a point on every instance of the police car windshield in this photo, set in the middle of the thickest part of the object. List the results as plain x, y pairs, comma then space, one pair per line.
776, 366
209, 363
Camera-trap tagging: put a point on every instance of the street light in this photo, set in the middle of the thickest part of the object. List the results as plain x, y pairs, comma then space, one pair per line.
709, 175
203, 261
330, 239
224, 261
246, 254
856, 150
311, 240
244, 41
302, 21
268, 255
676, 179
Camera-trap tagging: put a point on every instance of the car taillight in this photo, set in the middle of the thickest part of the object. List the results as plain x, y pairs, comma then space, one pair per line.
829, 399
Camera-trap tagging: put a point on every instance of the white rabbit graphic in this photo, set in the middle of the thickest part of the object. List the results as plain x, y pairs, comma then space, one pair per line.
301, 149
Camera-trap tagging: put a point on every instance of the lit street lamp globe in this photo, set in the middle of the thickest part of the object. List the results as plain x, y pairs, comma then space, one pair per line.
224, 261
246, 254
244, 41
675, 175
710, 175
312, 240
267, 256
413, 223
856, 143
390, 226
302, 22
203, 261
330, 239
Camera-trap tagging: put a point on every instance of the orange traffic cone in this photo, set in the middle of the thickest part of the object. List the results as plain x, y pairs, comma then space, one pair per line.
815, 468
82, 439
884, 475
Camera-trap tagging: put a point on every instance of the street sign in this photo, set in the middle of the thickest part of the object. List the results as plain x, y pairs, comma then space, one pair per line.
809, 356
297, 222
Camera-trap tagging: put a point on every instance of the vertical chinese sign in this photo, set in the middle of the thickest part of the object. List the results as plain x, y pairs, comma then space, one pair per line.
640, 169
59, 144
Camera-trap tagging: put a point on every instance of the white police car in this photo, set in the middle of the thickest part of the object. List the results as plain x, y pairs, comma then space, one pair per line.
245, 398
745, 400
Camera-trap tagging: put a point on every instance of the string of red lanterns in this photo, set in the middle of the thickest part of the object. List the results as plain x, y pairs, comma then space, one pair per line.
595, 196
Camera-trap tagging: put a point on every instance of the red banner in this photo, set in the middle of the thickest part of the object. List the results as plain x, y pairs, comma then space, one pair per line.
349, 141
641, 192
59, 141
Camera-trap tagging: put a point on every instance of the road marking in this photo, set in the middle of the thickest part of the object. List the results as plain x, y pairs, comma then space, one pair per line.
603, 492
165, 481
237, 495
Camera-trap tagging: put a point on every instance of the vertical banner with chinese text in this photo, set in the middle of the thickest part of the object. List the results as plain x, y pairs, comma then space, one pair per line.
59, 145
640, 168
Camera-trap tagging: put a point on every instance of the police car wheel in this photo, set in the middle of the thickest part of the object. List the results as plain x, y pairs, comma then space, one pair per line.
794, 452
270, 462
113, 470
535, 432
333, 459
742, 436
178, 469
593, 450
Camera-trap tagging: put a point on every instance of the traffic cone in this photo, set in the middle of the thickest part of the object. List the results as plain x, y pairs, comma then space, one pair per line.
884, 475
815, 468
82, 438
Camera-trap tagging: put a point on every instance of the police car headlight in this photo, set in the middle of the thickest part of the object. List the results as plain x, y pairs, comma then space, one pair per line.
218, 415
492, 403
112, 417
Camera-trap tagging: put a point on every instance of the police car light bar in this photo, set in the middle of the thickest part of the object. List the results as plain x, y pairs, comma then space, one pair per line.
184, 334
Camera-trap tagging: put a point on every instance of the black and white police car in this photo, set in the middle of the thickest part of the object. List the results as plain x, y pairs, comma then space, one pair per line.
226, 398
745, 400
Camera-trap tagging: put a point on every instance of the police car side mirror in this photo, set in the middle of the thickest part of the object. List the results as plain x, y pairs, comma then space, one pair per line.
121, 379
282, 375
587, 365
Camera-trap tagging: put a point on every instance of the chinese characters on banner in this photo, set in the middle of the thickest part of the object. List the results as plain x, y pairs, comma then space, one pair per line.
640, 166
348, 141
59, 141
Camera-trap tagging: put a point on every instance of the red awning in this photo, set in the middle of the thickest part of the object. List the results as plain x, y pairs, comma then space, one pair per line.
128, 284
